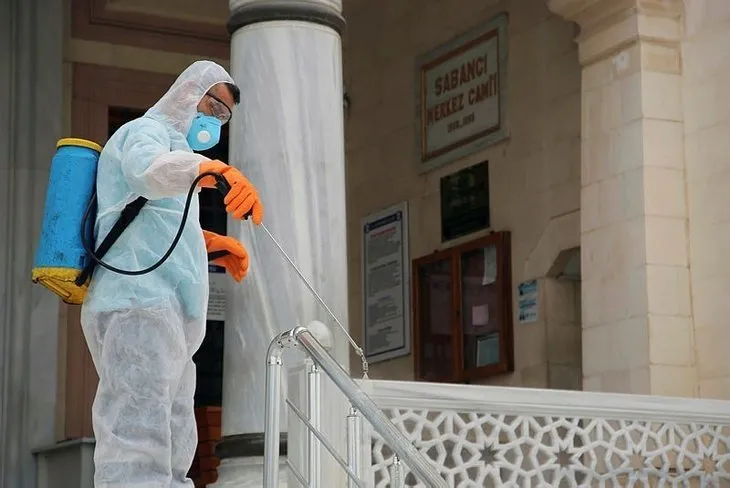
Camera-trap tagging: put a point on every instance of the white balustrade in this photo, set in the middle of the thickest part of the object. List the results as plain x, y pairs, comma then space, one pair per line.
487, 436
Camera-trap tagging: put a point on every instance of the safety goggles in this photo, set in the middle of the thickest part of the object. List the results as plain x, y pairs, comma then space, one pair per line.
219, 109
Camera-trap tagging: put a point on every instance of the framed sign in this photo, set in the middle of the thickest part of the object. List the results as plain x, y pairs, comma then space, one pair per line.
465, 202
386, 288
461, 95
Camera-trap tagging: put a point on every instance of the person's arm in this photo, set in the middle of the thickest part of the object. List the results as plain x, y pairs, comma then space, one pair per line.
151, 169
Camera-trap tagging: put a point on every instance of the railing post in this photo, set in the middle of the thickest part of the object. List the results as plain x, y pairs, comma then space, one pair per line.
321, 359
396, 473
314, 451
354, 444
273, 409
419, 464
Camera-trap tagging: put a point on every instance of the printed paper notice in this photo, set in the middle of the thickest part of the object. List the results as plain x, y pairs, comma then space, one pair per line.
490, 265
528, 301
480, 315
217, 296
385, 285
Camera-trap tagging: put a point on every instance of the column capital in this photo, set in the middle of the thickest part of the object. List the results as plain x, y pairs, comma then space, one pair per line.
609, 25
323, 12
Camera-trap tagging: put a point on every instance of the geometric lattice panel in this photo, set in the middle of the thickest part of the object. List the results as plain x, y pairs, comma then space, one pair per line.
474, 450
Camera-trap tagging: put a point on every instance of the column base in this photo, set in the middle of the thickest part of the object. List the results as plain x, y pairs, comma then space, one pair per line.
242, 461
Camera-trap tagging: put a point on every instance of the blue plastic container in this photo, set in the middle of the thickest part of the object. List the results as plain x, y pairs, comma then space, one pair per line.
61, 256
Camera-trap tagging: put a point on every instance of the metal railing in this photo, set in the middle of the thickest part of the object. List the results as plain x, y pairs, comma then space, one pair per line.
361, 404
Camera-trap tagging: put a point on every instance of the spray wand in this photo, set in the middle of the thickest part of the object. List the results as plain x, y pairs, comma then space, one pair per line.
223, 187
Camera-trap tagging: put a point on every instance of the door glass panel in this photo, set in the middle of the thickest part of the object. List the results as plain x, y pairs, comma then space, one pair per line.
480, 307
436, 312
209, 357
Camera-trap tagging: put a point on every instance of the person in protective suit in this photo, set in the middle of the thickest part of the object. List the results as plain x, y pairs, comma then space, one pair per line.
142, 331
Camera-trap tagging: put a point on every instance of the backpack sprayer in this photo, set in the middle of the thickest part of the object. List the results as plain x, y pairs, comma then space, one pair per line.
65, 260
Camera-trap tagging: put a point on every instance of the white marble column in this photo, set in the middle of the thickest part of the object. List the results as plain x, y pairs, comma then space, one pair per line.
287, 138
31, 35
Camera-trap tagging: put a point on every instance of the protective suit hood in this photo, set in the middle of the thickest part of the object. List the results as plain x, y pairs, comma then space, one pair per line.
178, 107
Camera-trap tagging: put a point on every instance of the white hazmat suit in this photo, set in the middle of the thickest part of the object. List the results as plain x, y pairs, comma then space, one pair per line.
142, 331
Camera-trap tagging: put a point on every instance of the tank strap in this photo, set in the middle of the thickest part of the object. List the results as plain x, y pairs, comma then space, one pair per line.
129, 213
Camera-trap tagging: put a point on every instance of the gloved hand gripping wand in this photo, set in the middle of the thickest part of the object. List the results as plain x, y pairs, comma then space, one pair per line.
223, 187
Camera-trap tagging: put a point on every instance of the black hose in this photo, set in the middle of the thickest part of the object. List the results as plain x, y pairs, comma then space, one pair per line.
222, 186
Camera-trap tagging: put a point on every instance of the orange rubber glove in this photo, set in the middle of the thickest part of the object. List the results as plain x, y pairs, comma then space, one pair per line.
236, 261
242, 198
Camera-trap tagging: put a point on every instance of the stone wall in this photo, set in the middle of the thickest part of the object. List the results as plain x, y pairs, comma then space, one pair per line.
706, 78
637, 315
534, 175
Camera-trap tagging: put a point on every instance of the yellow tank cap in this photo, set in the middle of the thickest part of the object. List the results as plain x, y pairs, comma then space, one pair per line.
74, 141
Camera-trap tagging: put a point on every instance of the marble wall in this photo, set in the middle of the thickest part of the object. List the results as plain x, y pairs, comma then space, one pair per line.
534, 175
30, 123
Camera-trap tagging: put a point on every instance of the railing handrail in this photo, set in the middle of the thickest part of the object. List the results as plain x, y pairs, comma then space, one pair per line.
398, 442
543, 402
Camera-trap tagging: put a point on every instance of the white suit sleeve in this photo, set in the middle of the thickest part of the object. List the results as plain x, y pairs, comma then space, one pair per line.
151, 169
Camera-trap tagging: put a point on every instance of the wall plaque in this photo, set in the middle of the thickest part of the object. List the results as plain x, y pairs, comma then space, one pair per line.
461, 95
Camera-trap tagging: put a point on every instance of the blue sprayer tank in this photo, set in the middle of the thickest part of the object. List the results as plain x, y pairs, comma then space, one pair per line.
61, 256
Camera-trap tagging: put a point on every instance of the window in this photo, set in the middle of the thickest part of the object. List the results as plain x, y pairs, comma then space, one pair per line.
463, 311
